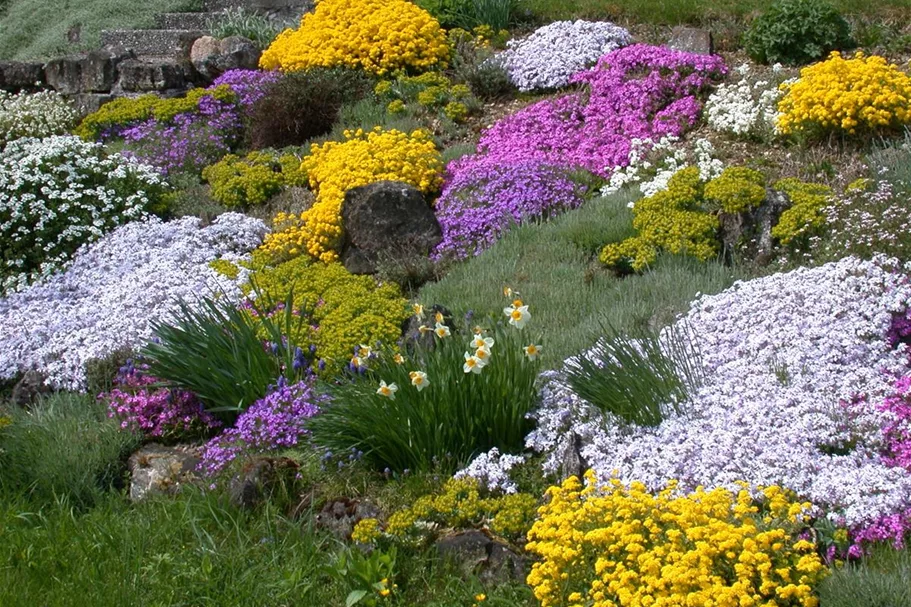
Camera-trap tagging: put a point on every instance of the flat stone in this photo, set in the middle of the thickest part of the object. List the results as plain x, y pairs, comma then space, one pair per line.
156, 469
141, 76
339, 516
478, 554
692, 40
17, 76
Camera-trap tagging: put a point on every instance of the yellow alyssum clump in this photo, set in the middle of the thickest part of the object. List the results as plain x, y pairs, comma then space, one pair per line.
379, 36
861, 94
336, 167
616, 545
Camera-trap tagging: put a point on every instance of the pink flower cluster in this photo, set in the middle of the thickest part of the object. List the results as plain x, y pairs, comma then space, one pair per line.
155, 411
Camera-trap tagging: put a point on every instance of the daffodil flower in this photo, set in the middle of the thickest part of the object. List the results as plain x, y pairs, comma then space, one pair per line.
482, 342
478, 330
387, 390
419, 380
483, 355
418, 310
424, 329
442, 330
472, 364
518, 316
398, 359
532, 351
364, 351
357, 362
507, 292
439, 318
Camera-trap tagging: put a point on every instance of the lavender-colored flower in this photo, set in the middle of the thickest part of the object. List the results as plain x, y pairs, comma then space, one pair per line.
274, 422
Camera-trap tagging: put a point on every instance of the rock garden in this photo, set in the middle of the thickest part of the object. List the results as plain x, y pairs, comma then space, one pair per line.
460, 303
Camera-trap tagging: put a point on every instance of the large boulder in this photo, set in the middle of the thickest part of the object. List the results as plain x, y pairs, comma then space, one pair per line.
339, 516
145, 76
212, 57
692, 40
478, 554
386, 221
94, 72
17, 76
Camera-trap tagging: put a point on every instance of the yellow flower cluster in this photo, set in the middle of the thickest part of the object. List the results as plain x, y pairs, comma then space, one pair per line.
458, 505
379, 36
342, 310
673, 220
808, 200
864, 93
253, 179
736, 190
430, 91
615, 546
129, 110
336, 167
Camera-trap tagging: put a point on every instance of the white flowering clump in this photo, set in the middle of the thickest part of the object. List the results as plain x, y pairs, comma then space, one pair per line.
58, 193
114, 289
784, 355
748, 107
651, 164
34, 115
491, 469
552, 54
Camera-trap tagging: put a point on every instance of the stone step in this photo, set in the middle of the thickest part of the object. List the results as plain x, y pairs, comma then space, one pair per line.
162, 43
187, 21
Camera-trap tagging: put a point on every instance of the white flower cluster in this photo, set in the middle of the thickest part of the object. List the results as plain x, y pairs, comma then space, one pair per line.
748, 106
783, 355
552, 54
58, 193
114, 289
652, 164
34, 115
491, 469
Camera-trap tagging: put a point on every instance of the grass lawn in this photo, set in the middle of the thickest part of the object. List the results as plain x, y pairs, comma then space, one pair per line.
553, 266
37, 29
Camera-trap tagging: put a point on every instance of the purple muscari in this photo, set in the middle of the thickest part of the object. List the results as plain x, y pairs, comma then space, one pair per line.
479, 205
155, 411
274, 422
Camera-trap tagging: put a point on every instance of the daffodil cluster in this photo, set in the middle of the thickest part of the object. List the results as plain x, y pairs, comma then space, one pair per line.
336, 167
847, 96
380, 36
617, 545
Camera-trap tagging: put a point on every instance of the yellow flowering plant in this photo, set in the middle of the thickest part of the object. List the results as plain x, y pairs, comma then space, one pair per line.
336, 167
253, 179
429, 93
615, 545
379, 36
861, 94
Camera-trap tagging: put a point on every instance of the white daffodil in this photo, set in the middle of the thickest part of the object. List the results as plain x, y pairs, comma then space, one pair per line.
480, 341
364, 351
418, 310
387, 390
424, 329
419, 380
357, 362
441, 330
398, 359
532, 351
439, 318
472, 364
483, 355
518, 316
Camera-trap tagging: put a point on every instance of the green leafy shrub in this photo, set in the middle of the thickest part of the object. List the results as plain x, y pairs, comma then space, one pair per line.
795, 32
805, 216
253, 179
225, 355
437, 406
469, 14
430, 93
639, 380
302, 105
64, 447
460, 504
240, 22
342, 310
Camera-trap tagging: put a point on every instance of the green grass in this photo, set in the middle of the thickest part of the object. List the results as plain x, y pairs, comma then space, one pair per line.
672, 12
37, 29
882, 580
569, 294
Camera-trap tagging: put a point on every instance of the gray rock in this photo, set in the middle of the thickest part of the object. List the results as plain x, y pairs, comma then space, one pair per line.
212, 57
93, 72
259, 478
762, 219
141, 76
156, 469
339, 516
28, 389
572, 463
692, 40
411, 331
87, 103
478, 554
386, 221
17, 76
